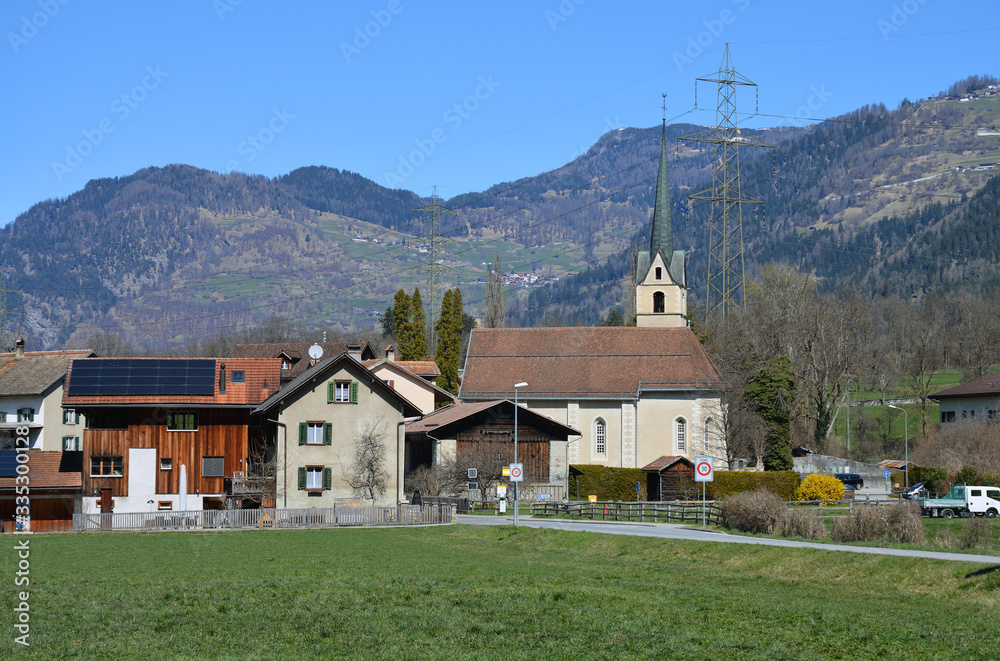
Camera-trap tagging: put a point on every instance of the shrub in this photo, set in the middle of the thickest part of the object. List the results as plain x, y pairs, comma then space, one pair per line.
977, 533
801, 523
989, 480
728, 483
609, 483
753, 511
967, 475
899, 522
935, 479
905, 523
820, 487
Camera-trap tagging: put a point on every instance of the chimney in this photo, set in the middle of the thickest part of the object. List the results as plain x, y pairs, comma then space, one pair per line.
222, 379
390, 354
19, 348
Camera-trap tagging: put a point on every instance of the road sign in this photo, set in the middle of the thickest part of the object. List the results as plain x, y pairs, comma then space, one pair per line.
703, 469
473, 473
501, 491
505, 471
516, 472
473, 486
885, 473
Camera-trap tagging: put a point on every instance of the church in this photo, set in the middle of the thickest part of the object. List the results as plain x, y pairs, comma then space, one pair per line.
635, 394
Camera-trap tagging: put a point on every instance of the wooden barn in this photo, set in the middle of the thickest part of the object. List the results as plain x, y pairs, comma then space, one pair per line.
666, 477
54, 485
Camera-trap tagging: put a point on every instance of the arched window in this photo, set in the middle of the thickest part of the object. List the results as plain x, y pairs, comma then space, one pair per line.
658, 304
681, 434
600, 436
708, 436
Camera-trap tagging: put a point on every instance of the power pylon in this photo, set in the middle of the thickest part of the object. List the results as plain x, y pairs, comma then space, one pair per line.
726, 270
434, 267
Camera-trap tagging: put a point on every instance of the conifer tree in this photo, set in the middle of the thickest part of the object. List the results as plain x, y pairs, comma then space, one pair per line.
447, 351
401, 320
416, 345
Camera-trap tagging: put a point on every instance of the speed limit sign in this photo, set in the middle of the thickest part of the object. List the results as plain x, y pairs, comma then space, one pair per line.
703, 469
516, 472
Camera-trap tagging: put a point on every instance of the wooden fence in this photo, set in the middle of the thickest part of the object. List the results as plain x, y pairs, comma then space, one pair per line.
330, 517
651, 512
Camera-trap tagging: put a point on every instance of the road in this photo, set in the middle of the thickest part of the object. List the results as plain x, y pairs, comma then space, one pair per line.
678, 531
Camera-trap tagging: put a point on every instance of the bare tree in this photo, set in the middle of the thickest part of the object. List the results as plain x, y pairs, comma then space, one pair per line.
488, 457
744, 432
367, 474
442, 479
496, 297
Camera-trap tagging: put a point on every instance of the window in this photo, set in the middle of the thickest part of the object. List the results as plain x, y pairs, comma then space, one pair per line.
993, 493
107, 420
976, 492
285, 365
708, 435
239, 376
965, 414
947, 416
105, 466
182, 421
659, 305
600, 437
315, 478
71, 443
342, 392
26, 415
164, 505
70, 417
166, 463
659, 273
681, 431
315, 433
213, 466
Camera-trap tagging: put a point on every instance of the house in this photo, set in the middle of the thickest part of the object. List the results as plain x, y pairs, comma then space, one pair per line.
166, 433
969, 402
414, 380
669, 478
55, 483
481, 435
295, 357
315, 423
31, 390
635, 393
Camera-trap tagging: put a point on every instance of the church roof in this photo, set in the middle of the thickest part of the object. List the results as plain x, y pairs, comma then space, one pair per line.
585, 363
661, 239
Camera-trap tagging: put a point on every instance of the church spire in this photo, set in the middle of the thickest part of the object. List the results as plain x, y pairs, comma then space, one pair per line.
662, 234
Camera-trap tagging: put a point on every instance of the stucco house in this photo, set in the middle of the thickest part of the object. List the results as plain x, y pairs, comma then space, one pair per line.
977, 400
413, 379
314, 423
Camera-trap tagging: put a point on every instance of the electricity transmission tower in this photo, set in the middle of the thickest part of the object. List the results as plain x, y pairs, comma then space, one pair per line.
726, 272
435, 266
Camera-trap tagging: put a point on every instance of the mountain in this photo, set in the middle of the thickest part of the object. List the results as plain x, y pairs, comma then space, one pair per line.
888, 201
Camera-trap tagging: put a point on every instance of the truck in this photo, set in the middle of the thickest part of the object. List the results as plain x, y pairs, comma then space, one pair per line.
963, 500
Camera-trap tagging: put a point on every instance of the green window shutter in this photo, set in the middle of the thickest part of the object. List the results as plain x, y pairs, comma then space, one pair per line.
327, 478
331, 392
354, 392
303, 433
76, 443
302, 477
76, 417
327, 433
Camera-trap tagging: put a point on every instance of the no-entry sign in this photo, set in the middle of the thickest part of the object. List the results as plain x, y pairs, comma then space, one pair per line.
703, 469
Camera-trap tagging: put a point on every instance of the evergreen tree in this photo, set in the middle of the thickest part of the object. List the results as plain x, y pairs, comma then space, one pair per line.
448, 344
772, 389
416, 346
401, 316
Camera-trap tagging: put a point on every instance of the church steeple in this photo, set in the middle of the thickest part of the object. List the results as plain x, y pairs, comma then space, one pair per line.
662, 233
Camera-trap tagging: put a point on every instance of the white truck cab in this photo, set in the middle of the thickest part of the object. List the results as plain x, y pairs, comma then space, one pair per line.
983, 500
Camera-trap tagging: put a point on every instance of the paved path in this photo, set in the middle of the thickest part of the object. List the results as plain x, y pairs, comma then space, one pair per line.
678, 531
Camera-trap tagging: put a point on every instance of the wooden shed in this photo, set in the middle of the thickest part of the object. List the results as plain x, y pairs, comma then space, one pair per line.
664, 477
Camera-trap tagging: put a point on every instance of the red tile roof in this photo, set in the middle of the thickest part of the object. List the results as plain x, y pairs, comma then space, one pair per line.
258, 373
602, 362
51, 470
461, 416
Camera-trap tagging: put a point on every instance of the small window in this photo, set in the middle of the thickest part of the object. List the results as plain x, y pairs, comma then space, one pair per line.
947, 416
213, 466
166, 463
105, 466
239, 376
314, 477
164, 505
708, 435
659, 273
976, 492
26, 415
600, 437
659, 304
681, 434
285, 365
182, 421
342, 392
107, 420
965, 414
71, 443
314, 433
70, 417
993, 493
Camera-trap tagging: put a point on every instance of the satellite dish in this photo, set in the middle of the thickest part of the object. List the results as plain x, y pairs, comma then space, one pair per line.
315, 352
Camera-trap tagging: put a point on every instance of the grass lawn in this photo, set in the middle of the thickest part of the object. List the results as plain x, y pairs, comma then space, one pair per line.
468, 592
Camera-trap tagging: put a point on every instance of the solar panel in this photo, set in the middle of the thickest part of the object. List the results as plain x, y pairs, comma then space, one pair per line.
8, 463
142, 376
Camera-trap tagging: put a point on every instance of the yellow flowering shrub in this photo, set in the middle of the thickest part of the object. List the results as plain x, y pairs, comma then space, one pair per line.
820, 487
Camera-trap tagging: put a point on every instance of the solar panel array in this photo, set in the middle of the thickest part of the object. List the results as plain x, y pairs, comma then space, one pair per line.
142, 376
8, 463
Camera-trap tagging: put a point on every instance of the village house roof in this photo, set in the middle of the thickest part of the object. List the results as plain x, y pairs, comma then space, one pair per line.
987, 386
170, 381
400, 366
49, 470
454, 418
585, 363
297, 353
35, 371
425, 369
666, 462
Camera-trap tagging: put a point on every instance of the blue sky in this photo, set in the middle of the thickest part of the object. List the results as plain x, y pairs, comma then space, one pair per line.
413, 94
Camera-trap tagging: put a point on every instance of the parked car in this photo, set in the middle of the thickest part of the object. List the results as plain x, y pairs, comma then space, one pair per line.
852, 480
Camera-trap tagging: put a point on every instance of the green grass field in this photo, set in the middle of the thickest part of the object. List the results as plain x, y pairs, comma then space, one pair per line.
466, 592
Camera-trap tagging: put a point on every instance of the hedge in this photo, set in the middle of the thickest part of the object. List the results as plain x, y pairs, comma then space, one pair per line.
781, 483
608, 483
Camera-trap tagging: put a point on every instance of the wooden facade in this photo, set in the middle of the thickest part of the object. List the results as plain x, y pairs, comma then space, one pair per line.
497, 438
220, 433
664, 479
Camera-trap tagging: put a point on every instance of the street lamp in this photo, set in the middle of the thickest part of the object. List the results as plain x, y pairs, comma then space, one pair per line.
516, 386
906, 443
